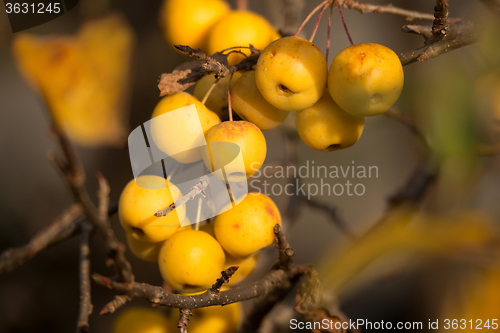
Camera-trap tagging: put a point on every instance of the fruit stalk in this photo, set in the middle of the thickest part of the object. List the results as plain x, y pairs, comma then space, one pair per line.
343, 22
318, 7
199, 188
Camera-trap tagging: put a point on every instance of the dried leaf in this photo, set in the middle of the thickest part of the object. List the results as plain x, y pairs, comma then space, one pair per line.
83, 78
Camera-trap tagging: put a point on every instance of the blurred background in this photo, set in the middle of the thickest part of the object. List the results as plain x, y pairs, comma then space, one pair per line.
42, 295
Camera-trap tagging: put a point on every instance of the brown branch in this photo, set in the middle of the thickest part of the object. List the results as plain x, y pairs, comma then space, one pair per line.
458, 35
441, 13
85, 298
286, 253
308, 302
74, 177
409, 15
115, 304
276, 283
196, 190
59, 229
225, 276
184, 319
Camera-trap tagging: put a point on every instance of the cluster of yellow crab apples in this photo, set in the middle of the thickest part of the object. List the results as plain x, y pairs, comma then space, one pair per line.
291, 75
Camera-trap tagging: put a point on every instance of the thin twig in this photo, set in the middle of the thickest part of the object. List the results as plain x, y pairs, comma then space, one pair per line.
199, 188
441, 13
59, 229
328, 32
85, 299
229, 106
74, 177
115, 304
184, 318
410, 15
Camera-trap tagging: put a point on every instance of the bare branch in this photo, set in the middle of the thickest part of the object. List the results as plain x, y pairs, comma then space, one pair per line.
409, 15
196, 190
64, 225
225, 276
85, 299
184, 319
74, 177
115, 304
440, 25
458, 36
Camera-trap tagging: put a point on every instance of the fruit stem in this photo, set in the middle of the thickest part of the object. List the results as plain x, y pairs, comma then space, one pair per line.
328, 32
242, 5
318, 7
317, 23
230, 109
204, 100
198, 213
343, 22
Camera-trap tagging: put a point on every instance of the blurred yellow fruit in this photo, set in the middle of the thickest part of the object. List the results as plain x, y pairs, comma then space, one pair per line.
141, 320
366, 79
246, 138
249, 226
140, 200
191, 260
240, 28
326, 127
188, 22
245, 267
213, 319
180, 136
249, 104
291, 73
217, 100
84, 78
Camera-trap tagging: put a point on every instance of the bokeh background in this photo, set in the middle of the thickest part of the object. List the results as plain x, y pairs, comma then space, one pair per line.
43, 294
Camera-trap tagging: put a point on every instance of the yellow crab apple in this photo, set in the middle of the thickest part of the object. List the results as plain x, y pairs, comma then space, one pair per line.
141, 320
140, 200
180, 135
249, 226
146, 251
240, 28
250, 105
217, 100
326, 127
191, 260
225, 141
366, 79
291, 73
188, 22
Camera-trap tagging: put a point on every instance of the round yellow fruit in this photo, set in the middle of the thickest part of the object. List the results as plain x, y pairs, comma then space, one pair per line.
141, 320
191, 260
180, 136
144, 250
245, 267
366, 79
250, 105
249, 226
240, 28
291, 73
188, 22
140, 200
326, 127
217, 100
243, 137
